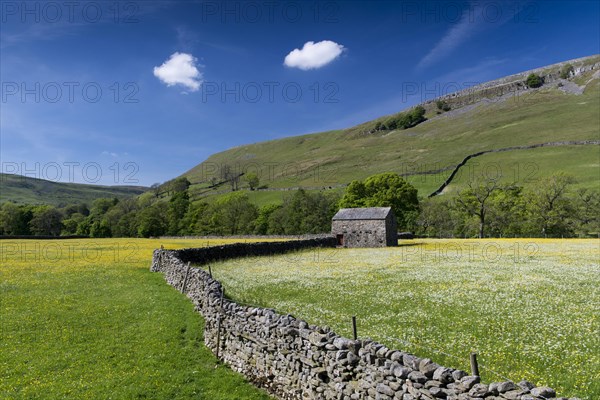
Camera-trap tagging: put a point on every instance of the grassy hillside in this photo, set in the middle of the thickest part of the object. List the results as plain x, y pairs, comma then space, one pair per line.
527, 117
495, 115
27, 190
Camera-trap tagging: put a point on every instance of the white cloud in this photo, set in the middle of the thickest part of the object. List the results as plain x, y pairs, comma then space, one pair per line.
313, 55
472, 22
453, 38
180, 69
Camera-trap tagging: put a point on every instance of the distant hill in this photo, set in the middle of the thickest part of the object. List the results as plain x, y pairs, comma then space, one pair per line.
26, 190
501, 114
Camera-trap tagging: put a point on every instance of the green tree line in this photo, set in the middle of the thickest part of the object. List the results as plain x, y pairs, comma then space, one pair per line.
485, 208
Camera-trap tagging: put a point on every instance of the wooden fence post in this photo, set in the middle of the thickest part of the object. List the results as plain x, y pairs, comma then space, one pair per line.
185, 279
219, 322
354, 327
474, 366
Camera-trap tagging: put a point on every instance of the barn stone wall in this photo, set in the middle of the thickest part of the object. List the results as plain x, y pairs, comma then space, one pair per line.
367, 233
361, 233
392, 230
294, 360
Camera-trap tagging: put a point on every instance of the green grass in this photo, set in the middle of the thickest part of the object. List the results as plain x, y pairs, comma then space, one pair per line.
27, 190
529, 308
338, 157
261, 198
525, 167
86, 319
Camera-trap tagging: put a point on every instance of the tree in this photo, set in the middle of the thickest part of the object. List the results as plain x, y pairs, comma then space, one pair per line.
151, 221
127, 225
70, 224
417, 115
261, 225
534, 81
252, 180
145, 200
507, 212
474, 201
548, 207
435, 218
46, 221
101, 206
83, 228
179, 185
229, 175
194, 220
178, 207
155, 189
96, 224
79, 208
303, 212
14, 219
102, 225
385, 190
233, 214
100, 229
587, 211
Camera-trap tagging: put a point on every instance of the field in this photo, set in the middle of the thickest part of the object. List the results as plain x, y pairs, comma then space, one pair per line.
85, 319
529, 308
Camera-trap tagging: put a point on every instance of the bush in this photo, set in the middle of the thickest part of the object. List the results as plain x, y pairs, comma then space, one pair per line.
566, 71
442, 105
534, 81
390, 124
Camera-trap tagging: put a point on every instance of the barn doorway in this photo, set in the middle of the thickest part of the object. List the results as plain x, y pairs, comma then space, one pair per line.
340, 240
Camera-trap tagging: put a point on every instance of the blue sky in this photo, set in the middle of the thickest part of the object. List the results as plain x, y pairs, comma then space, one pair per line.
138, 92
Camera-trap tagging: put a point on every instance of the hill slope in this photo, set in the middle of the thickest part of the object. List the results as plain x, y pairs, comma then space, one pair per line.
28, 190
500, 114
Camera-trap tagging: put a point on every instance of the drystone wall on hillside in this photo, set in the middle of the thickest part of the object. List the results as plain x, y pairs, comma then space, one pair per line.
513, 85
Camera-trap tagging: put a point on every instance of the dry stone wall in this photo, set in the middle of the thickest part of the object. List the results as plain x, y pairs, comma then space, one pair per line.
514, 85
294, 360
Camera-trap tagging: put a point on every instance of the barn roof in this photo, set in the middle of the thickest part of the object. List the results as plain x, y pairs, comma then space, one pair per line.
362, 213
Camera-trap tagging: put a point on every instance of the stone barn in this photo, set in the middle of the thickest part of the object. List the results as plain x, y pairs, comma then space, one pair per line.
365, 227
